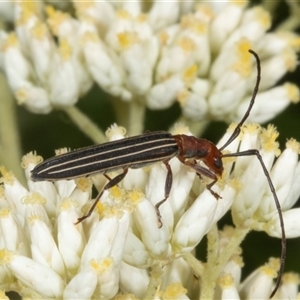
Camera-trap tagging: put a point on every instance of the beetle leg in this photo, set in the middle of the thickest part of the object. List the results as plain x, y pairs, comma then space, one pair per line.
168, 185
111, 183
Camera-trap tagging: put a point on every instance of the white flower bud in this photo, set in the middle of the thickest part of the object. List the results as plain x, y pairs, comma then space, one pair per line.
138, 281
195, 223
43, 246
135, 252
40, 278
82, 286
163, 14
155, 239
229, 290
259, 284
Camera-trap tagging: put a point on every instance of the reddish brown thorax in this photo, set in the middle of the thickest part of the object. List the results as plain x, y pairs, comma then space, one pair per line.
202, 149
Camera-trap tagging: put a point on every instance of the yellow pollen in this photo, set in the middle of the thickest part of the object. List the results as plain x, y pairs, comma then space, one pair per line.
6, 256
186, 44
294, 145
268, 271
66, 204
56, 18
127, 39
102, 266
290, 59
263, 17
100, 207
123, 14
243, 64
117, 193
115, 130
5, 212
252, 128
226, 281
39, 30
84, 184
34, 198
33, 218
30, 158
174, 291
135, 196
10, 41
65, 49
189, 75
268, 139
274, 263
28, 11
30, 5
293, 92
7, 176
110, 211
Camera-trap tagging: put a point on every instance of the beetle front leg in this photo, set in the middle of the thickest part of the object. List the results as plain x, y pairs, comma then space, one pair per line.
168, 186
201, 171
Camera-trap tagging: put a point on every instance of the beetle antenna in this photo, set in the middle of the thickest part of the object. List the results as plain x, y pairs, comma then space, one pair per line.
256, 153
237, 130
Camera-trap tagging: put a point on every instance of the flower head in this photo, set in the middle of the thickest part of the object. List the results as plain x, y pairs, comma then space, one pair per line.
170, 52
122, 234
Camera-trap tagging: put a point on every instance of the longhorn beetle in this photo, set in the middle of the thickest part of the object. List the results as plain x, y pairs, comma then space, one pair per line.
160, 146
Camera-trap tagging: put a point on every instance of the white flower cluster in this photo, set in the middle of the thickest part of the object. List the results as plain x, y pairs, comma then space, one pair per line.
120, 252
177, 51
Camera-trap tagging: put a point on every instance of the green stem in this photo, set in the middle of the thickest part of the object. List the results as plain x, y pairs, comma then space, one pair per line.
130, 115
136, 118
85, 124
154, 284
215, 264
194, 263
10, 148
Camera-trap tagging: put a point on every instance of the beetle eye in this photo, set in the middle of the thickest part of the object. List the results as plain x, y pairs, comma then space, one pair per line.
218, 163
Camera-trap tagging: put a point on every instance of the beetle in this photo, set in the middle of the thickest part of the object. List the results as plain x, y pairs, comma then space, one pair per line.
160, 146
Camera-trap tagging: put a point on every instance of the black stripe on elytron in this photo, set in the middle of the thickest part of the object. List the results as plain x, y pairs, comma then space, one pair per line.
134, 151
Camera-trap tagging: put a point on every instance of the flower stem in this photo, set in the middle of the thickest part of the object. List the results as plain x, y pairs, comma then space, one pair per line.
194, 263
130, 115
10, 148
85, 124
197, 128
154, 284
136, 118
217, 261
